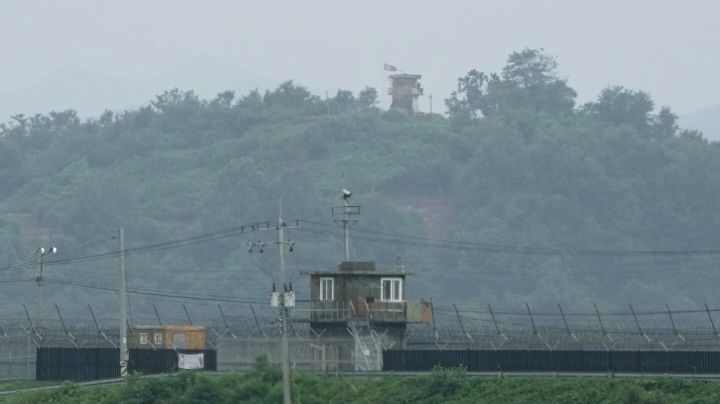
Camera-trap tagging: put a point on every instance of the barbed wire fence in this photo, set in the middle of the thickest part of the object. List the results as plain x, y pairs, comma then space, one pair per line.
251, 330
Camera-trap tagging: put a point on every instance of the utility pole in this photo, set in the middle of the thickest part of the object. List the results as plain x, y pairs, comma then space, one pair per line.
123, 305
39, 280
346, 228
287, 398
41, 253
430, 97
327, 102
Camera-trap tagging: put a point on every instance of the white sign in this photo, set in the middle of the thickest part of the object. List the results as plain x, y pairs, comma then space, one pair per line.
191, 361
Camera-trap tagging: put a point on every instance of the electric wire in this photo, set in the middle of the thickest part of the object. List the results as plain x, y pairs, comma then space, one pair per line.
176, 243
487, 247
158, 293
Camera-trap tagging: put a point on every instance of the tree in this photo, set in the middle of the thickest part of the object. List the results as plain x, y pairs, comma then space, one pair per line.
530, 68
10, 156
290, 95
536, 72
664, 124
106, 118
176, 99
618, 105
344, 99
252, 100
224, 99
692, 135
368, 97
470, 97
528, 81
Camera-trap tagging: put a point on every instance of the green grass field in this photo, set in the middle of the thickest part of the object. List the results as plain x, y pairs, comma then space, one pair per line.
442, 386
6, 385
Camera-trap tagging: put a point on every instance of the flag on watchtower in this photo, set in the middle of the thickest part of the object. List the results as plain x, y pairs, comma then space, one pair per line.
389, 68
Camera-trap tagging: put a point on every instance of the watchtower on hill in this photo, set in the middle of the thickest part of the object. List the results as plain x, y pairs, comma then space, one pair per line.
405, 91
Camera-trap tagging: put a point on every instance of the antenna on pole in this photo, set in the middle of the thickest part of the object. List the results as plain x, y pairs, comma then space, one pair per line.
41, 253
346, 211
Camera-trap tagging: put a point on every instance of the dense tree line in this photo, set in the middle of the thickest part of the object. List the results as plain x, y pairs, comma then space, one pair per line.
516, 162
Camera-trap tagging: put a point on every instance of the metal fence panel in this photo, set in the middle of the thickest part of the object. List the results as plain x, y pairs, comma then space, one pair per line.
154, 361
77, 363
547, 361
624, 361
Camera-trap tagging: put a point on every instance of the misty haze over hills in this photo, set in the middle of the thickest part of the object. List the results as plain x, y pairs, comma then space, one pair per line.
91, 92
706, 120
325, 45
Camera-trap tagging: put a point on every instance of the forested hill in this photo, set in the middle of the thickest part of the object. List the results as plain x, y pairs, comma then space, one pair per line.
545, 201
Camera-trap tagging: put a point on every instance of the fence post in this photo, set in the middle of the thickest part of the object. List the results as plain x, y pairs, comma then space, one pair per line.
501, 334
27, 359
432, 313
675, 330
97, 326
637, 323
227, 325
567, 328
187, 314
535, 331
32, 328
712, 323
461, 323
257, 323
603, 330
70, 336
532, 322
157, 314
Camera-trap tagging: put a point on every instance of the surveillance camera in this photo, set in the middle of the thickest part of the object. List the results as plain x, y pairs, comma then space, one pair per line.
346, 194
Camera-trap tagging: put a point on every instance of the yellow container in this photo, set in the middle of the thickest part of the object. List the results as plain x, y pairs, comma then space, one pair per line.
168, 337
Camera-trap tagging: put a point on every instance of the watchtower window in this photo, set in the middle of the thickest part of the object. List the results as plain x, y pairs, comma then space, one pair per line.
327, 289
391, 289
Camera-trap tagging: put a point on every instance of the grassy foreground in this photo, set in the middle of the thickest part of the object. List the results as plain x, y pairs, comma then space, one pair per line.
442, 386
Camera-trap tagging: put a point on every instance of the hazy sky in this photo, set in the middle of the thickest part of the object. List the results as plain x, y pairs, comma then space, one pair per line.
668, 48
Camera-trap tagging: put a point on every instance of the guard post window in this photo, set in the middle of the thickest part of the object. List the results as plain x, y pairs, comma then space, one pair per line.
327, 289
391, 289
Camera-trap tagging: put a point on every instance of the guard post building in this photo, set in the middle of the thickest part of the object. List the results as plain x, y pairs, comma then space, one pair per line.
369, 304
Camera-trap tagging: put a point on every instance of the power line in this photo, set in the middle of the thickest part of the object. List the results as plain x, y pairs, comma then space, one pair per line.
158, 293
261, 268
546, 271
590, 314
202, 238
499, 248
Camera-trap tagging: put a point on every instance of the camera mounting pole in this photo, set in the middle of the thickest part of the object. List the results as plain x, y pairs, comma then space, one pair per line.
346, 211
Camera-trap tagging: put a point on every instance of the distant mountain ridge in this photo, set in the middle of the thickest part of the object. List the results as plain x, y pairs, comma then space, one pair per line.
91, 92
706, 120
